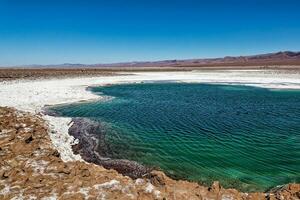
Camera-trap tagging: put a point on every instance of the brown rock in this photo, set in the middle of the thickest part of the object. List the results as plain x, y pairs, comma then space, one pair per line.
28, 139
157, 178
6, 174
72, 197
13, 163
215, 187
85, 173
38, 185
55, 153
63, 169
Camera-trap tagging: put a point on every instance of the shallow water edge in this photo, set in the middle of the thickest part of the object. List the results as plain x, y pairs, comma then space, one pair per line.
92, 147
90, 136
95, 147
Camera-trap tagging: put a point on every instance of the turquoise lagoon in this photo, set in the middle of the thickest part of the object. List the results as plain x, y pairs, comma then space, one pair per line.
245, 137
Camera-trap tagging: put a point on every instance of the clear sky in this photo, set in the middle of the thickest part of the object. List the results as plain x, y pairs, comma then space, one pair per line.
73, 31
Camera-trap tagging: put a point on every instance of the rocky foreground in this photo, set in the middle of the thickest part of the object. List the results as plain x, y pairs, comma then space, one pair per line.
30, 168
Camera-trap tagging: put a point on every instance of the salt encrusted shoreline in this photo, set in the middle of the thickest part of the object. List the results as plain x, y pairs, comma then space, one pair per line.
93, 148
33, 95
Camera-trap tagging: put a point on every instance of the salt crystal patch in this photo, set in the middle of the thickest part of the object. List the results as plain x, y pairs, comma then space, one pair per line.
61, 139
139, 181
149, 188
85, 192
157, 193
38, 166
131, 196
227, 197
5, 131
27, 129
5, 190
113, 184
52, 197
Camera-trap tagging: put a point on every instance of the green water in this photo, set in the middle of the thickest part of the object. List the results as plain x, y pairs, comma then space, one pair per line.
245, 137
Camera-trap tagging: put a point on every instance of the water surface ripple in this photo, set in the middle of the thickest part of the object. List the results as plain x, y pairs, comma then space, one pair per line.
245, 137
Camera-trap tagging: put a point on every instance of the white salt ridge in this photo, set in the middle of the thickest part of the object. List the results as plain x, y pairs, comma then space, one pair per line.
149, 188
37, 166
52, 197
113, 184
139, 181
60, 137
5, 190
33, 95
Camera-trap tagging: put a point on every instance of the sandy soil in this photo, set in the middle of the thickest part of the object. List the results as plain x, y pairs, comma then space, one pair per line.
7, 74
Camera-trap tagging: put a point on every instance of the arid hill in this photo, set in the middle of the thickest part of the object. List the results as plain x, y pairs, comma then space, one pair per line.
282, 60
265, 60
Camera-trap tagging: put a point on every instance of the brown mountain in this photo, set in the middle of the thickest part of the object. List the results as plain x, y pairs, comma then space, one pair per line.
283, 58
279, 58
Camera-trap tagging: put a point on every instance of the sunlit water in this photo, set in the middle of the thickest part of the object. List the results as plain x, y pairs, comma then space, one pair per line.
245, 137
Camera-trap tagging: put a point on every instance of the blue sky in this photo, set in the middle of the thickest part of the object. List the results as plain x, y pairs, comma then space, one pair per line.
73, 31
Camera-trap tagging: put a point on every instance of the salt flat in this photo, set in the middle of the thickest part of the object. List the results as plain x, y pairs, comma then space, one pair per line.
33, 95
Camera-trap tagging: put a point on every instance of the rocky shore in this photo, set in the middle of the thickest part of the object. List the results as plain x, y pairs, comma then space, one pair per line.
30, 168
92, 147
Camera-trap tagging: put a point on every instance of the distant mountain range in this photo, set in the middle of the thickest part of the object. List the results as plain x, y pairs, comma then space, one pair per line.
263, 60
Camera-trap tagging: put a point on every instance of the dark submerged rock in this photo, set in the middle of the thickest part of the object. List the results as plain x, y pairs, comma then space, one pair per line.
93, 148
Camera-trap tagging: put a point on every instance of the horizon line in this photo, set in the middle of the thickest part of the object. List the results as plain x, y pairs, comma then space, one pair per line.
151, 61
